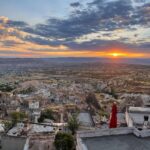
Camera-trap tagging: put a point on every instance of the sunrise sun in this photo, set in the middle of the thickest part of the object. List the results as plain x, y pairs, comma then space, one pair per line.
115, 54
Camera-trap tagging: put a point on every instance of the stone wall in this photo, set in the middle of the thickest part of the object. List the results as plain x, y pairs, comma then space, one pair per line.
105, 132
129, 121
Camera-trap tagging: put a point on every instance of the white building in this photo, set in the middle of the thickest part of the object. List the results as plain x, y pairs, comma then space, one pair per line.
34, 105
138, 117
36, 115
2, 127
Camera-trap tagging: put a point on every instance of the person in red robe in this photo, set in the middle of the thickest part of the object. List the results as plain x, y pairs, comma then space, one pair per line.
113, 118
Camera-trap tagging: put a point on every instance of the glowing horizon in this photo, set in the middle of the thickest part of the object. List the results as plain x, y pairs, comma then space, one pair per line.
64, 52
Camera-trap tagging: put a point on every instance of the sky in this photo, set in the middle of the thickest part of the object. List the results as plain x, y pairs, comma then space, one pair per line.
75, 28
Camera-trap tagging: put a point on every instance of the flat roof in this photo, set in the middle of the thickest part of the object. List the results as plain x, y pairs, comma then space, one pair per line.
117, 142
85, 119
12, 143
139, 109
41, 128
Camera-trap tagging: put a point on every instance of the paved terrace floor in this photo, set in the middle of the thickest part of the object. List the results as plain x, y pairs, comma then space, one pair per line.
12, 143
119, 142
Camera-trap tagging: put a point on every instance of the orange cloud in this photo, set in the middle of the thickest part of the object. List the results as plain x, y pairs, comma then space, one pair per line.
22, 48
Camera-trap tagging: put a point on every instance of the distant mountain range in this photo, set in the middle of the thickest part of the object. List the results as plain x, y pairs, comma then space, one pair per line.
139, 61
102, 60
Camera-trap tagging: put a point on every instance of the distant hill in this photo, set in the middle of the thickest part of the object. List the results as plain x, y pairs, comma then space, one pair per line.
40, 61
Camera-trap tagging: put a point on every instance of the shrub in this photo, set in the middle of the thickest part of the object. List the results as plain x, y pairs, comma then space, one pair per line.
47, 114
91, 100
73, 124
64, 141
17, 116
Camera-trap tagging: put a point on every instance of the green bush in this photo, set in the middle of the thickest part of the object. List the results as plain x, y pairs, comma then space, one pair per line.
47, 114
113, 93
64, 141
7, 87
91, 100
27, 91
7, 125
73, 124
17, 116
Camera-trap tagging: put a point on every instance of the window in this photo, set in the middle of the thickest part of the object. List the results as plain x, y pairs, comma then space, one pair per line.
146, 118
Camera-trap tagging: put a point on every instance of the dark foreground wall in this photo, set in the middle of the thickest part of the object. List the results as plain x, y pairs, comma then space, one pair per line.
12, 143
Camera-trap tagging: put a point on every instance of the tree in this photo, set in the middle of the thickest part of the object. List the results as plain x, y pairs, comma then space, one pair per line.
47, 114
27, 90
64, 141
113, 93
7, 125
17, 116
41, 119
73, 124
7, 87
91, 100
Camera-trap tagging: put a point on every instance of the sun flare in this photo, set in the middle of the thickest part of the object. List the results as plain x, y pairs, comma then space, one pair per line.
115, 54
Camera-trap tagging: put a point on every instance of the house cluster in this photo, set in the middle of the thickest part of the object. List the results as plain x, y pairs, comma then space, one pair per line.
65, 98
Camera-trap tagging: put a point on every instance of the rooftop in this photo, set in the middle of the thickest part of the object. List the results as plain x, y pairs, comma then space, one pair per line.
13, 143
123, 138
85, 119
139, 110
41, 128
114, 142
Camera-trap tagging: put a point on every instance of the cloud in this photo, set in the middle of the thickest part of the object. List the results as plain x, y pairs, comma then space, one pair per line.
100, 25
16, 24
99, 15
10, 23
11, 43
42, 41
75, 4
